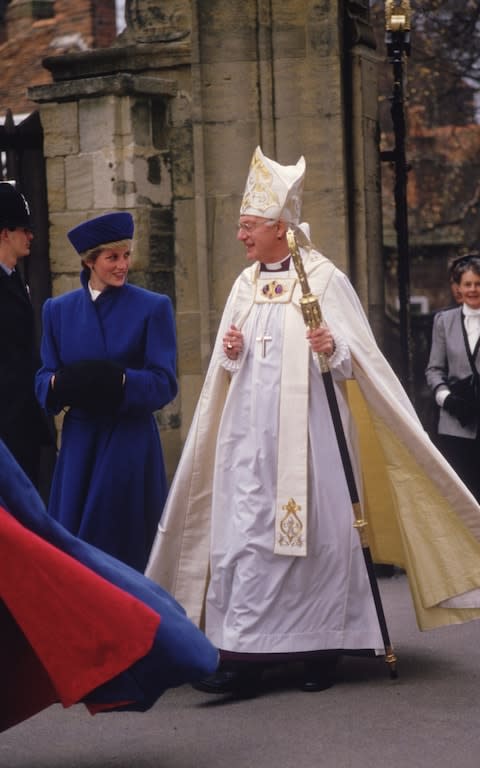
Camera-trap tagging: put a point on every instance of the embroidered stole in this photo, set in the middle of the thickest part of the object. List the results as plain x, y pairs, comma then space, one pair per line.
291, 498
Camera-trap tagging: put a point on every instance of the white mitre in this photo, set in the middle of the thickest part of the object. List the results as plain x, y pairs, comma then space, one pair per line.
273, 191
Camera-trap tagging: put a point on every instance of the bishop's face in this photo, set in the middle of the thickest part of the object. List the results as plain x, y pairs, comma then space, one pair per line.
263, 239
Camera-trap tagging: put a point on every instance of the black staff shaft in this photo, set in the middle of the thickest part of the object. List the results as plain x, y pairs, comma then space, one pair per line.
312, 316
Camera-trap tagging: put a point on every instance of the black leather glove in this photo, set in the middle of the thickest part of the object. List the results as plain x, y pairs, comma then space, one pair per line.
94, 385
464, 411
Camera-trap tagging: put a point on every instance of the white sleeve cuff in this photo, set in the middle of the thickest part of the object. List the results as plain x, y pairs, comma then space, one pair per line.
340, 361
341, 353
441, 395
230, 365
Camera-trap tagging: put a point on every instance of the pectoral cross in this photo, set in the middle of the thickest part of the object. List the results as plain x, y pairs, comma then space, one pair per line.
263, 340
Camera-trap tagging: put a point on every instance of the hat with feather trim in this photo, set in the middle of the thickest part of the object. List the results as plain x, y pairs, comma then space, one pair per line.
108, 228
273, 191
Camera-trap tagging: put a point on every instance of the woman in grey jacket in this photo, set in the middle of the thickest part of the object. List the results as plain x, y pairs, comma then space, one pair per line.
453, 374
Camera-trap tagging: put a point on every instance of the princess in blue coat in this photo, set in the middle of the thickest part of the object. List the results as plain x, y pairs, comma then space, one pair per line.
108, 360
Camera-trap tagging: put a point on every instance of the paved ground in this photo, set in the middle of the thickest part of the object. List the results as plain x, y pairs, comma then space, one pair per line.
427, 717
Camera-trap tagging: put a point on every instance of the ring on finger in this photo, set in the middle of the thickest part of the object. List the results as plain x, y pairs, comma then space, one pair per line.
229, 345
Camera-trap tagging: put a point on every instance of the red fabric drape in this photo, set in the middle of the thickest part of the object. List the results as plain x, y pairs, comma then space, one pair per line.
64, 630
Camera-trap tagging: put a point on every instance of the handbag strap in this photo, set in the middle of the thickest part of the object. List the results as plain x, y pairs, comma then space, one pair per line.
471, 355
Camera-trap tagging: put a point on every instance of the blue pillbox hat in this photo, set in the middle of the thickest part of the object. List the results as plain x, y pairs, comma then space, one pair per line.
103, 229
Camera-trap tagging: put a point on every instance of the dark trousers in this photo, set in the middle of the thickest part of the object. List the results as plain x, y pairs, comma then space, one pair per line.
27, 455
464, 456
36, 460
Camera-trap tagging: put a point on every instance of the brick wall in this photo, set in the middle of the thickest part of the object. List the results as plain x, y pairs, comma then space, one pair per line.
74, 26
104, 23
94, 20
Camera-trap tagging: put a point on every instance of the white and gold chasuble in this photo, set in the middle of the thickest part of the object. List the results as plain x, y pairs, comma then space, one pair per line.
221, 511
262, 597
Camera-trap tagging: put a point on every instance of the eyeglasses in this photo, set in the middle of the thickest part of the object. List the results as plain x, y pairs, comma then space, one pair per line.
251, 226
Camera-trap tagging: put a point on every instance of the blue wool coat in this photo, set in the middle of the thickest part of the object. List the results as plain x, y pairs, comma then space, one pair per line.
109, 485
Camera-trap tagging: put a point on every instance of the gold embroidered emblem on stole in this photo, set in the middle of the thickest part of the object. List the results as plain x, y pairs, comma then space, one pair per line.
291, 527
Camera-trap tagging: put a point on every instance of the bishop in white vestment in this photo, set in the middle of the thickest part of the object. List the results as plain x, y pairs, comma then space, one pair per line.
257, 538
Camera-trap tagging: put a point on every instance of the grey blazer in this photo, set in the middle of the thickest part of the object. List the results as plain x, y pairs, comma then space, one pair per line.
448, 363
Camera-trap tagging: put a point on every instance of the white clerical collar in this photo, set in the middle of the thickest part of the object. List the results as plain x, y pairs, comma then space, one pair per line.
277, 266
93, 292
469, 311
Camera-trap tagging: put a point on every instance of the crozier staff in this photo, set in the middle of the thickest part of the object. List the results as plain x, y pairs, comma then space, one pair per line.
108, 353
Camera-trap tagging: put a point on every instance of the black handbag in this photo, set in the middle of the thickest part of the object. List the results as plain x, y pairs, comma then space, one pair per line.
468, 389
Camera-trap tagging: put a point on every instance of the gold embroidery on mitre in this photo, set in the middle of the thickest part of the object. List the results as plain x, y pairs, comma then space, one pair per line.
291, 527
258, 189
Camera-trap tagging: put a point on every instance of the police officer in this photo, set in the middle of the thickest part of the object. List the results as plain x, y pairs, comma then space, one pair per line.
23, 427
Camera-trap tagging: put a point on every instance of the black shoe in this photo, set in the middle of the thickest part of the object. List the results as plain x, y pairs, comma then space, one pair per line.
247, 681
319, 675
242, 679
220, 682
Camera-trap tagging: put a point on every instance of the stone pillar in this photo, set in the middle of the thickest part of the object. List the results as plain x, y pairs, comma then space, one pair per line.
271, 75
296, 78
363, 162
104, 151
